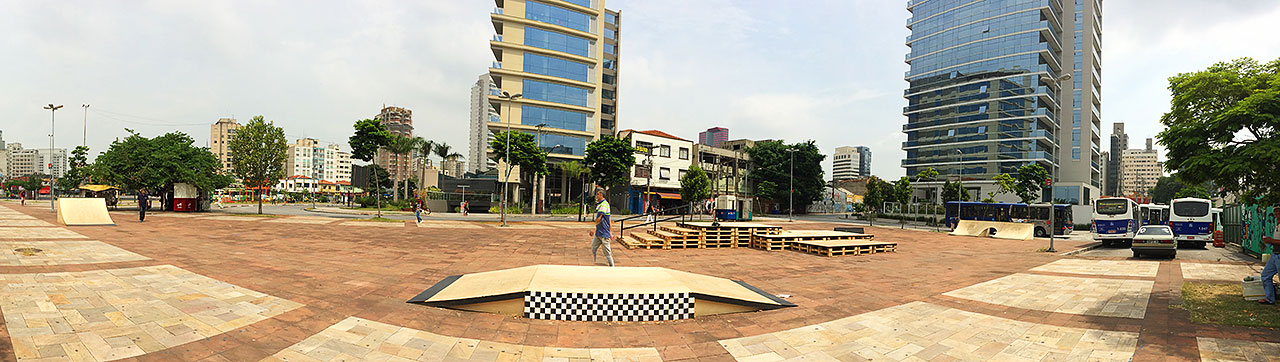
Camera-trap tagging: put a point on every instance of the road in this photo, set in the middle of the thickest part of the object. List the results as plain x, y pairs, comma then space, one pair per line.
1210, 253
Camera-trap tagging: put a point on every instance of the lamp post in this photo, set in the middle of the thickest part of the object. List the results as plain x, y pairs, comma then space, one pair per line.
85, 132
506, 179
1053, 209
52, 180
791, 195
537, 179
464, 198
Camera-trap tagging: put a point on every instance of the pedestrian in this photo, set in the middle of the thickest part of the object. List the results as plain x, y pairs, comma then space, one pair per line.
417, 210
143, 204
601, 235
22, 194
648, 210
1273, 265
465, 206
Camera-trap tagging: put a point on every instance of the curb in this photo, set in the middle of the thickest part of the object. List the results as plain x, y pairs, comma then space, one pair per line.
1084, 249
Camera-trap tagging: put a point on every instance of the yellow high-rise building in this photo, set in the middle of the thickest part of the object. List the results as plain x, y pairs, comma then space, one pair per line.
561, 56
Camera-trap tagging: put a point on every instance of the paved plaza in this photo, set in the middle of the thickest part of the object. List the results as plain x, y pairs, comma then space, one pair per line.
211, 286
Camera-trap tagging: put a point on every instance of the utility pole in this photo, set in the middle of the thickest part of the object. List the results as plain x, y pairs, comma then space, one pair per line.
537, 179
85, 132
53, 193
791, 196
506, 179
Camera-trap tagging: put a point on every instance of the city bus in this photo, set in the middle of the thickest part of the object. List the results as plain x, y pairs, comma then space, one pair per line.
1037, 214
1192, 221
1153, 214
1115, 219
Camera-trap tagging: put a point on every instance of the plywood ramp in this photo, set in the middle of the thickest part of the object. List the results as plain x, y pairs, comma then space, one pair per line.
1003, 230
503, 291
83, 212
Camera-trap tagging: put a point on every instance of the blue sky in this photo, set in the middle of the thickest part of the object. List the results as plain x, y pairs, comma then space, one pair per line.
830, 71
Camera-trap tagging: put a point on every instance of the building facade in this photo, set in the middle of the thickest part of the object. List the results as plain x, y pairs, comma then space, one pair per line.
846, 163
715, 136
666, 160
864, 161
998, 85
1119, 143
20, 161
399, 121
52, 162
308, 158
727, 169
1139, 171
562, 58
220, 134
453, 167
483, 114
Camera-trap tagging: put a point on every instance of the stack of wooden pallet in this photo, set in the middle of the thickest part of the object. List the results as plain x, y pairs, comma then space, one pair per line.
664, 237
820, 242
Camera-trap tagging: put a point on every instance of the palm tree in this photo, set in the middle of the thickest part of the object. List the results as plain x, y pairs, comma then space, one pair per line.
575, 169
444, 151
425, 146
402, 145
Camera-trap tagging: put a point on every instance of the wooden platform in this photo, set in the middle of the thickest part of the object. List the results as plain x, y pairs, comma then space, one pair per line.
757, 236
842, 247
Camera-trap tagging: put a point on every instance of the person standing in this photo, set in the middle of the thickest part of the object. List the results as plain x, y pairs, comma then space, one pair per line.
143, 203
1270, 270
22, 194
602, 234
465, 206
648, 209
417, 210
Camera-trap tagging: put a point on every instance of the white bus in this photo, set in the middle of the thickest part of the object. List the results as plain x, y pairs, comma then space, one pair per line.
1115, 220
1153, 214
1192, 221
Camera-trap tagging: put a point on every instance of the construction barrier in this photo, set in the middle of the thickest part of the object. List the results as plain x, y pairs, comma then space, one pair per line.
995, 229
83, 212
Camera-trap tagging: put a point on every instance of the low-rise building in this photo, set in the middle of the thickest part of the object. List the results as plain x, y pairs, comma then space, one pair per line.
726, 168
307, 158
657, 172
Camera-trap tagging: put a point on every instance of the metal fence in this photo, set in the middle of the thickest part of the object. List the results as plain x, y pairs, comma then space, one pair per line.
1247, 225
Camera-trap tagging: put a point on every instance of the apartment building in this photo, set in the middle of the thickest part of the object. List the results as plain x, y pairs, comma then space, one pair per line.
1140, 169
398, 121
657, 171
220, 134
307, 157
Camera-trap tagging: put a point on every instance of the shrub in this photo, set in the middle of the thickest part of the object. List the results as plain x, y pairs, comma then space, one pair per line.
511, 209
367, 201
566, 209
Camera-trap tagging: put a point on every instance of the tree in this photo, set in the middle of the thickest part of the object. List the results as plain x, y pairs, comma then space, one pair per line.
380, 179
575, 170
78, 172
137, 162
609, 161
1030, 182
1165, 190
402, 145
370, 135
695, 186
1222, 127
954, 191
878, 191
524, 153
258, 154
1193, 191
444, 151
774, 169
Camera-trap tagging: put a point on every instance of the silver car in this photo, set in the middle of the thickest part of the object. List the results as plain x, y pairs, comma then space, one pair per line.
1154, 239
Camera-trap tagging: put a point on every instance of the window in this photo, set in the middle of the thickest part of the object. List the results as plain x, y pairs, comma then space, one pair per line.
684, 154
610, 64
610, 18
557, 15
556, 67
609, 94
606, 109
642, 171
550, 40
583, 3
557, 118
610, 49
664, 173
664, 151
559, 93
609, 79
682, 173
610, 33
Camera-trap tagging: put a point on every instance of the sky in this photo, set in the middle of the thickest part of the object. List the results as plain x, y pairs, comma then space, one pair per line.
823, 70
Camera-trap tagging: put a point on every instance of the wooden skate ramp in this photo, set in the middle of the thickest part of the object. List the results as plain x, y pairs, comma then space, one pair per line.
83, 212
594, 293
1003, 230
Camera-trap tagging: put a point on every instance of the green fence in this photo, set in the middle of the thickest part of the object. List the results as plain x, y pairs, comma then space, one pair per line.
1247, 224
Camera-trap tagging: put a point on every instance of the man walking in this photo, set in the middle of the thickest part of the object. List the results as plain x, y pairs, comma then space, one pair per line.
143, 203
417, 210
1273, 265
602, 234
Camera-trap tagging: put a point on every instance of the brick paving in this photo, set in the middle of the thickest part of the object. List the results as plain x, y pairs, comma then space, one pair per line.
1062, 294
1219, 272
336, 272
62, 252
1214, 349
1128, 268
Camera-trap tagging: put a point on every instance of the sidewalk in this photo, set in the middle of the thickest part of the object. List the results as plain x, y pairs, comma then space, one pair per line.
471, 216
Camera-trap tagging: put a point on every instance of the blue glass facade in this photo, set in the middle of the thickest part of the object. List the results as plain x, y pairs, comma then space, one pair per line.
556, 67
551, 40
982, 100
562, 144
558, 93
583, 3
557, 118
549, 14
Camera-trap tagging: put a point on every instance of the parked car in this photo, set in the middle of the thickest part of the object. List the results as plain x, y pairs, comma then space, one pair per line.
1154, 239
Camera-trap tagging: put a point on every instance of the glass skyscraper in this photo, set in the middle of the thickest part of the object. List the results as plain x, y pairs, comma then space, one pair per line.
998, 84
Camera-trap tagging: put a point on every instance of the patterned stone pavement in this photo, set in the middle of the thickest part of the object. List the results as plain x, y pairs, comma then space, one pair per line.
1223, 272
38, 233
920, 331
118, 313
1216, 349
1128, 268
359, 339
1061, 294
24, 222
62, 253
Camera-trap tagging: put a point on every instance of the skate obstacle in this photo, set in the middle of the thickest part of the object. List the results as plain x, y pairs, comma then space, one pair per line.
759, 236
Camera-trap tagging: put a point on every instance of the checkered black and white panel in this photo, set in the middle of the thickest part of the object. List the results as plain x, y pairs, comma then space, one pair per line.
599, 307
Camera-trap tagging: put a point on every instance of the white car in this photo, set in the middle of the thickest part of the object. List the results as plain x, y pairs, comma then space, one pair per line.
1154, 239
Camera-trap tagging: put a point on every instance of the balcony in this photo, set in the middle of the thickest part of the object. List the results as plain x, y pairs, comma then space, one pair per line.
496, 65
497, 11
497, 37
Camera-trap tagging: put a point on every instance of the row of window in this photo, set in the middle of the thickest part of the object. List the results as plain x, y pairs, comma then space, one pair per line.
663, 150
556, 118
558, 93
556, 15
551, 40
556, 67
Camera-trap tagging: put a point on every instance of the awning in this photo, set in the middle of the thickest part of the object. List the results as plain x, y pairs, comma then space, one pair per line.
44, 190
97, 188
667, 195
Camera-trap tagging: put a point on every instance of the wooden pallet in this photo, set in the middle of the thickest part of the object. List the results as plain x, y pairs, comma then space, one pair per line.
838, 248
643, 240
675, 241
768, 245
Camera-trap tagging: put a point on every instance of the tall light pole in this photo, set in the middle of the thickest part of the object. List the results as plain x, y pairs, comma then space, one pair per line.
537, 179
791, 196
52, 181
85, 132
960, 179
1053, 209
506, 179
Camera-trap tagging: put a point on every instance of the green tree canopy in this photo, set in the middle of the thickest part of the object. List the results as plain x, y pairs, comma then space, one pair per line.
878, 192
258, 153
1223, 126
524, 152
78, 172
902, 190
773, 169
1031, 181
1193, 191
369, 137
695, 186
137, 162
954, 191
609, 161
402, 145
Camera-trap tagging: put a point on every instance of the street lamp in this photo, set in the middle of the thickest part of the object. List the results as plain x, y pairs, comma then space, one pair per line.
52, 181
1053, 209
506, 179
85, 132
537, 184
791, 196
960, 179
